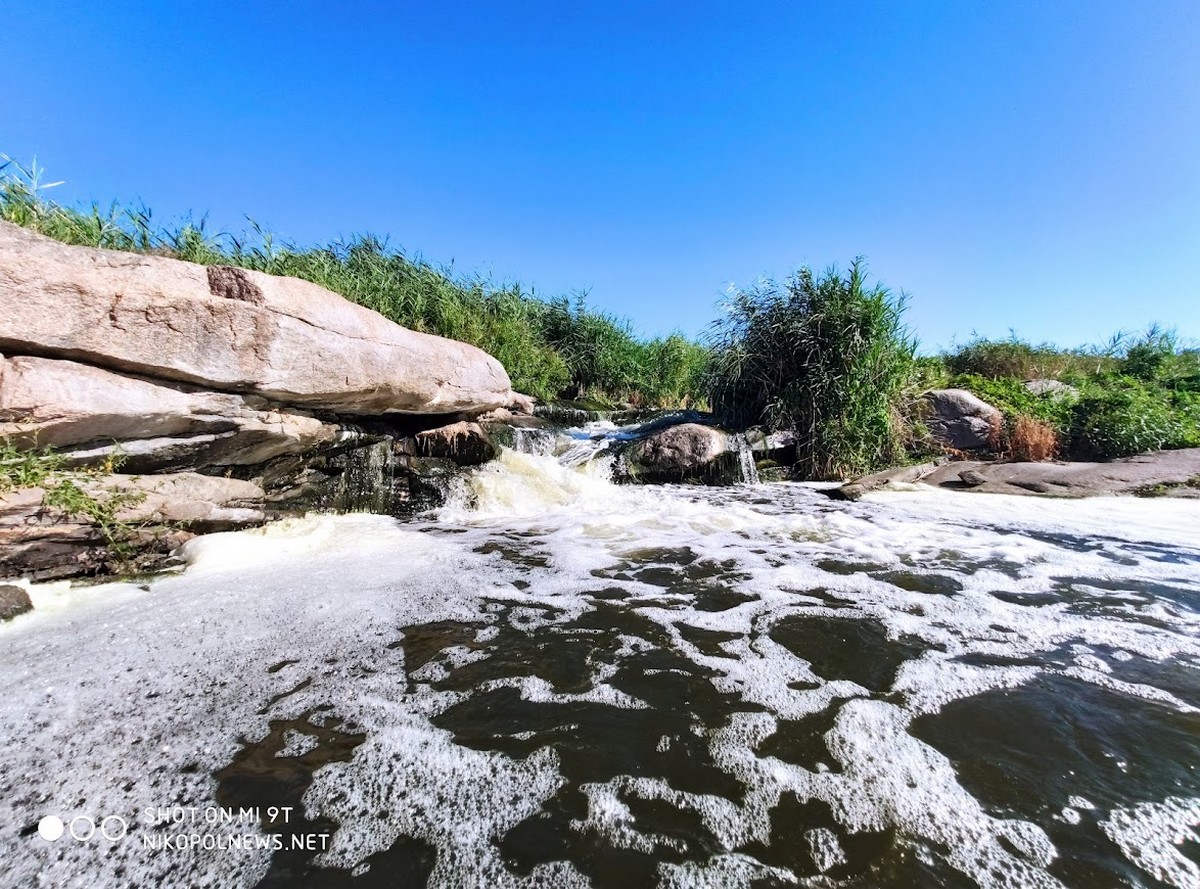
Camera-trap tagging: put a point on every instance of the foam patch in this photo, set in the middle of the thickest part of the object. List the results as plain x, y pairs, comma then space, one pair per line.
558, 681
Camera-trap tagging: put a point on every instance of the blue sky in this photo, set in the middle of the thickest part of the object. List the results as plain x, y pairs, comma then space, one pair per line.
1033, 166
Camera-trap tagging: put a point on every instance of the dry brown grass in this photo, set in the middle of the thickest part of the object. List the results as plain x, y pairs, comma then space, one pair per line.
1032, 440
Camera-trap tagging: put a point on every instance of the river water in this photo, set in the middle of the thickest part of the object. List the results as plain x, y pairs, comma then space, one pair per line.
556, 681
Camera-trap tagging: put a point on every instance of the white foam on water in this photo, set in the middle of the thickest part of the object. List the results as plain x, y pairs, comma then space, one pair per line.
825, 849
1149, 833
128, 687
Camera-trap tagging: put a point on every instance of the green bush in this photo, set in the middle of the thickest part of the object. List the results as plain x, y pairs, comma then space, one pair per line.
1012, 398
825, 356
1128, 418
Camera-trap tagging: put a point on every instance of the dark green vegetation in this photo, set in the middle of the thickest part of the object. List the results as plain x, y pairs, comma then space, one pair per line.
550, 348
826, 355
1133, 394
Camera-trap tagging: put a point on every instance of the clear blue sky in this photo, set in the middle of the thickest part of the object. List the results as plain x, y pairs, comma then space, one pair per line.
1027, 165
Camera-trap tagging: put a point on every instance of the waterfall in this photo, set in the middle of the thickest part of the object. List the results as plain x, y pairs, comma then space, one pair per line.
745, 458
539, 442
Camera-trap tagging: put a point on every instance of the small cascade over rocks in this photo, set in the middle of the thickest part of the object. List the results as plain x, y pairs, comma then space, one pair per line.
745, 459
546, 468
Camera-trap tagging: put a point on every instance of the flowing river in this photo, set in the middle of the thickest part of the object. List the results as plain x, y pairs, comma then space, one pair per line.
556, 681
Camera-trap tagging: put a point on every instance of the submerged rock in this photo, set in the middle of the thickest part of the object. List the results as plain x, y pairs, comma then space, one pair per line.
232, 330
894, 478
958, 419
14, 600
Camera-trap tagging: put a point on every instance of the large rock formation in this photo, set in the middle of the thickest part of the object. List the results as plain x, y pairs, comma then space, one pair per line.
960, 420
295, 397
95, 414
232, 330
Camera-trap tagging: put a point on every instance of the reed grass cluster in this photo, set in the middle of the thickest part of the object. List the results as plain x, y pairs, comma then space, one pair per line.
825, 355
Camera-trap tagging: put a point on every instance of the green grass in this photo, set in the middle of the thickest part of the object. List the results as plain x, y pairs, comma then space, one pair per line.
824, 355
550, 348
64, 492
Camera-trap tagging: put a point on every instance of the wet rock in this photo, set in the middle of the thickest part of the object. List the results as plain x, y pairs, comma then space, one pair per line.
95, 415
957, 419
896, 479
683, 452
777, 446
1160, 473
156, 514
232, 330
14, 600
464, 443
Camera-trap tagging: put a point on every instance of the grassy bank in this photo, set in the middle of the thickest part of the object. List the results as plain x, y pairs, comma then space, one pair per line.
825, 355
551, 348
1135, 393
829, 357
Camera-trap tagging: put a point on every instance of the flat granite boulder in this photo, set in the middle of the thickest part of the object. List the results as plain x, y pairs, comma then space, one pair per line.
232, 330
92, 415
1160, 473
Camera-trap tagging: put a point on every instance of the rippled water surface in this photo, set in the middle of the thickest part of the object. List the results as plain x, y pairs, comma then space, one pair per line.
560, 682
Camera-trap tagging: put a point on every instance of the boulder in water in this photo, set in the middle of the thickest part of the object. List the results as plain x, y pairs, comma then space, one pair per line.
14, 600
684, 452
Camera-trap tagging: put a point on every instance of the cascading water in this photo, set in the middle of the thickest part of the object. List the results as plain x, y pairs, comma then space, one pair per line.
745, 459
559, 681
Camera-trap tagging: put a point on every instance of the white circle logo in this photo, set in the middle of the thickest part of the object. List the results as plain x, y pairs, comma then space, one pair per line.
115, 832
91, 828
50, 828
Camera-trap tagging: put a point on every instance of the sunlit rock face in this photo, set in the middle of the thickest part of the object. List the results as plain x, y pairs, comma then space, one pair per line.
232, 330
958, 419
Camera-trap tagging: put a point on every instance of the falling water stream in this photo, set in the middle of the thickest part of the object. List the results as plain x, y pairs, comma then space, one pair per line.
557, 681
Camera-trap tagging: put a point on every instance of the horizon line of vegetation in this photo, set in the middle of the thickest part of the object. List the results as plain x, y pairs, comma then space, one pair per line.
825, 355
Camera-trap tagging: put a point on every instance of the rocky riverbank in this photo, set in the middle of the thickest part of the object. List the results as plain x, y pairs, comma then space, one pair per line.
1159, 474
179, 399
